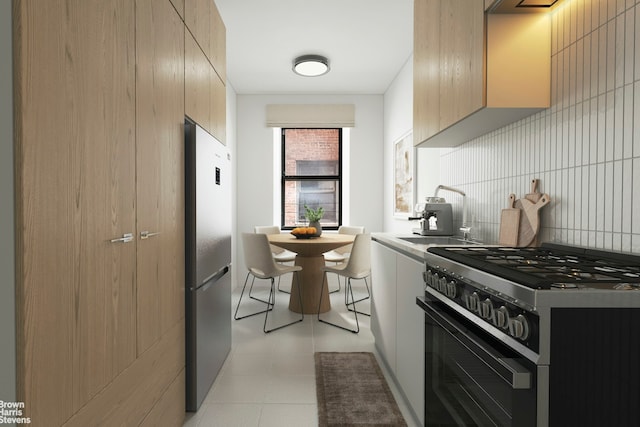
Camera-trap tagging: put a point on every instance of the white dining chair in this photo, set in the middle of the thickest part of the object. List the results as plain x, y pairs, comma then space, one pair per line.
356, 267
338, 255
280, 255
261, 265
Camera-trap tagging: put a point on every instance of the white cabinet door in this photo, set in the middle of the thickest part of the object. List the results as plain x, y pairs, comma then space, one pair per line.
383, 301
410, 332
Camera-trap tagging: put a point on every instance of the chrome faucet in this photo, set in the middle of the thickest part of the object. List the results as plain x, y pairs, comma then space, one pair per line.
465, 229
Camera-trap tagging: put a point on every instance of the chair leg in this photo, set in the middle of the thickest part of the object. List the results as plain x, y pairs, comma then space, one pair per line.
355, 312
256, 298
338, 276
359, 300
272, 301
280, 290
269, 306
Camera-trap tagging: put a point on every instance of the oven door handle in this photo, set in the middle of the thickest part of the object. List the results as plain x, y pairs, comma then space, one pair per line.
509, 369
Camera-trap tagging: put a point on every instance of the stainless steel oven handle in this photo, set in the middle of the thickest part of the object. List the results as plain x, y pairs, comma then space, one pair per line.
519, 376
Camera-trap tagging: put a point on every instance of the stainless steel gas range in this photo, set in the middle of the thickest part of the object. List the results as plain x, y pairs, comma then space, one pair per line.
545, 336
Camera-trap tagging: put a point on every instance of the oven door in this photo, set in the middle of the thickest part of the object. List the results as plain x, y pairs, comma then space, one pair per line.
472, 379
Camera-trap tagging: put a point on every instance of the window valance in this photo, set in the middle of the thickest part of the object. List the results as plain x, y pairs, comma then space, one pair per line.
311, 115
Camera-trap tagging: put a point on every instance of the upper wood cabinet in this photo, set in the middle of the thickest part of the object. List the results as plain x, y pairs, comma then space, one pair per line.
205, 24
218, 44
218, 108
198, 77
473, 72
205, 67
197, 18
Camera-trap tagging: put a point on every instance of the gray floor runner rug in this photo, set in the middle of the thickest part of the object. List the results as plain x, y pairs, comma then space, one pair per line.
352, 391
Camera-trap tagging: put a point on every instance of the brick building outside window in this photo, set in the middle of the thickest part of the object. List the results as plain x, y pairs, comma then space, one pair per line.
311, 175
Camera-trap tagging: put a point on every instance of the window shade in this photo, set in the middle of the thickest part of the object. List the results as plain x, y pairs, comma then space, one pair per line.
311, 116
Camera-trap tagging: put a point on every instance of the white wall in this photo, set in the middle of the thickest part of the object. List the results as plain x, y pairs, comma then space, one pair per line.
398, 121
7, 254
255, 174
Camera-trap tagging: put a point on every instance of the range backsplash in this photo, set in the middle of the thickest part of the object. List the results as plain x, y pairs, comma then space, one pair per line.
585, 149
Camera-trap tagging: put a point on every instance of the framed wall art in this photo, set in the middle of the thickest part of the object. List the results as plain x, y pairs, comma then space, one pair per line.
403, 176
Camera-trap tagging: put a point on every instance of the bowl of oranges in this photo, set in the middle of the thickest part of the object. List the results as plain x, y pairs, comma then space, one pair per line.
304, 232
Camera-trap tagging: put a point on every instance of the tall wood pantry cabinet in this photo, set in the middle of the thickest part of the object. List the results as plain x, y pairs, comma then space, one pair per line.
99, 100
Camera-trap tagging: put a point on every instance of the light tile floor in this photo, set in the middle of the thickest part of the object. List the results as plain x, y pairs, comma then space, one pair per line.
269, 379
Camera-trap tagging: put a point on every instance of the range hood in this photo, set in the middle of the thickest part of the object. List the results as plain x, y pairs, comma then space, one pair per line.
522, 6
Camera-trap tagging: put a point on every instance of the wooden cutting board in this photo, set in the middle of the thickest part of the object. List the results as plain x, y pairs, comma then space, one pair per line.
535, 195
509, 224
530, 219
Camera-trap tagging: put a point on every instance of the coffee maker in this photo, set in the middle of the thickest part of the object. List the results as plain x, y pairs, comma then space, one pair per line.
436, 217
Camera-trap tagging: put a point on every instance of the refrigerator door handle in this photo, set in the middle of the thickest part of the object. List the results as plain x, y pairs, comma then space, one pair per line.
215, 276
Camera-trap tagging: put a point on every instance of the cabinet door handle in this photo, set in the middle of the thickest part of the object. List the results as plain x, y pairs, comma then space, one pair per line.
126, 238
146, 234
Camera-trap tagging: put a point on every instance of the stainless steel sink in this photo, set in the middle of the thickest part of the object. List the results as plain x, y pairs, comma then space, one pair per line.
436, 240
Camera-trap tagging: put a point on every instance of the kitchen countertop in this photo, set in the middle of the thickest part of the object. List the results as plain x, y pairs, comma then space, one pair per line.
418, 247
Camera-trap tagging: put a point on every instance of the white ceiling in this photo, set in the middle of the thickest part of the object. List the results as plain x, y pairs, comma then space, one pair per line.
367, 43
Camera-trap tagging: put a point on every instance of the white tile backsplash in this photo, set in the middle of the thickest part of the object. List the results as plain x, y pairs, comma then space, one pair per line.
585, 149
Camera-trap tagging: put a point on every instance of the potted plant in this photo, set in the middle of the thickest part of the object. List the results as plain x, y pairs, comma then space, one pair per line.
314, 216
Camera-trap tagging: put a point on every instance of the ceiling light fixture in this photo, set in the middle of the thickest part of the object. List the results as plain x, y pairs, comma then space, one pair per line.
311, 65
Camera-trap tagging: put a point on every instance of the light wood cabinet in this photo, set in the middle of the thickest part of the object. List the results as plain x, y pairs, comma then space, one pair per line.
205, 67
218, 57
159, 170
474, 72
218, 45
397, 323
205, 24
197, 18
205, 93
218, 108
99, 93
75, 163
198, 78
179, 6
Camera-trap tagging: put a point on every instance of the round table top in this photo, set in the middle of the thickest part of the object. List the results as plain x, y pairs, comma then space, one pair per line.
310, 247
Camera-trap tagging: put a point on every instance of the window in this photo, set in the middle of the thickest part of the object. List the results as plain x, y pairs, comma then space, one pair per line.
311, 175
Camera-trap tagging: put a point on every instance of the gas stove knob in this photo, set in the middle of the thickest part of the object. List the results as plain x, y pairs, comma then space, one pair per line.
473, 302
427, 277
501, 317
486, 309
519, 327
452, 289
433, 281
442, 285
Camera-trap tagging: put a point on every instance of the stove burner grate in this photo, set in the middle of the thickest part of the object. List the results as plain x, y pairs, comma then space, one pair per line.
548, 265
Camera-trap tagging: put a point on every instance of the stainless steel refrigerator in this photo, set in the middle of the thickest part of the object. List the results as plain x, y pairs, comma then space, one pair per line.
207, 262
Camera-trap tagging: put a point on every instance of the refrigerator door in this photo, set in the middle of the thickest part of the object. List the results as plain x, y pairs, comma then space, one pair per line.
212, 206
209, 337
